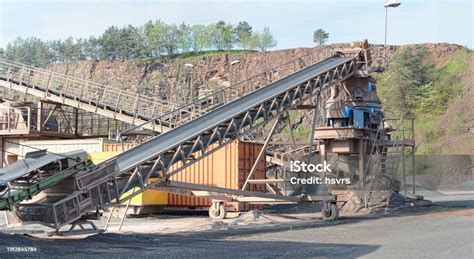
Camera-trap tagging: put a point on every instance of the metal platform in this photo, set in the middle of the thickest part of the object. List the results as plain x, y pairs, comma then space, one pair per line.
232, 195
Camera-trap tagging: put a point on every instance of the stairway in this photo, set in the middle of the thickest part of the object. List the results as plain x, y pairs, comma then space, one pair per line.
112, 102
383, 166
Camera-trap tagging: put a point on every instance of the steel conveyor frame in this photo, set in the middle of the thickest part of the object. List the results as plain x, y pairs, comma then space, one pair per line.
232, 195
106, 185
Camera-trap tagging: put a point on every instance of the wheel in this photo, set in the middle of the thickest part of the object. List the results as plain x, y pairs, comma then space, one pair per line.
330, 211
217, 211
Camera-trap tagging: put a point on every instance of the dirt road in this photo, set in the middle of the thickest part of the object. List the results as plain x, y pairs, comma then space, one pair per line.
445, 230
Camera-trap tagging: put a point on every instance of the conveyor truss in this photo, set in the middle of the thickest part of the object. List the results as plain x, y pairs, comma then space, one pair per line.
242, 110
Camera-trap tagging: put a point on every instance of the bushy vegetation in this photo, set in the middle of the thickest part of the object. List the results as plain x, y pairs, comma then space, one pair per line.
153, 39
414, 87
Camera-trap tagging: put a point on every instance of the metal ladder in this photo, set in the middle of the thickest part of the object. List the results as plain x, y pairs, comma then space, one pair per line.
122, 216
387, 162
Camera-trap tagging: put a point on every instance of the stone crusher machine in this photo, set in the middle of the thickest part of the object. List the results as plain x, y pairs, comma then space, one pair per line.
243, 107
353, 135
362, 145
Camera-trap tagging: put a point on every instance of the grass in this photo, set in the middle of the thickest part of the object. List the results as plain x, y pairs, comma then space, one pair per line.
456, 64
428, 132
211, 53
456, 124
191, 57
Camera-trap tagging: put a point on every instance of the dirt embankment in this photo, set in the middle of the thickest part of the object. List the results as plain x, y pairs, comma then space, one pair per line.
170, 78
458, 119
165, 77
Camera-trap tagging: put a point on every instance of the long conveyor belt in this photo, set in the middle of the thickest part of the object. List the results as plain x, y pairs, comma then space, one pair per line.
158, 145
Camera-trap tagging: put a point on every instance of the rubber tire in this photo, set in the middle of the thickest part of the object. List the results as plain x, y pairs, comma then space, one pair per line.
218, 213
331, 213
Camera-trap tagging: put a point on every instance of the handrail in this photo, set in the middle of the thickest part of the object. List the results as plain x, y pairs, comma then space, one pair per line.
67, 77
75, 79
221, 92
78, 89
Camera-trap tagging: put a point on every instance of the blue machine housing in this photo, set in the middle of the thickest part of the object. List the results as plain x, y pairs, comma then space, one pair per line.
357, 110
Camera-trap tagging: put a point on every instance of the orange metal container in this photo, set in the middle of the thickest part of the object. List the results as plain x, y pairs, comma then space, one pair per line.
227, 168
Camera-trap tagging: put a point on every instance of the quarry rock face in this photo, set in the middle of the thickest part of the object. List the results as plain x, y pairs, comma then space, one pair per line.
171, 78
177, 82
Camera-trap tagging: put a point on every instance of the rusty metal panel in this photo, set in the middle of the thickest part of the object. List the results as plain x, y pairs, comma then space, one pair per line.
227, 168
117, 147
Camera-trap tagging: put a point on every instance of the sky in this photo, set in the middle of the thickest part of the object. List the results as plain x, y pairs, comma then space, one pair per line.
291, 22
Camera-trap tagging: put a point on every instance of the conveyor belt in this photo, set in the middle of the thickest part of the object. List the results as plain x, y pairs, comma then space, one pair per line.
26, 178
106, 184
29, 165
162, 143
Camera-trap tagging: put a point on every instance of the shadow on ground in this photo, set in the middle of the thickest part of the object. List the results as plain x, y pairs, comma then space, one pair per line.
217, 242
165, 246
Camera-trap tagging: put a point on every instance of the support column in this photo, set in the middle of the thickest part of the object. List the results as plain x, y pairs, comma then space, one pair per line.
405, 190
39, 117
1, 152
311, 140
262, 152
322, 152
76, 122
313, 127
361, 162
413, 172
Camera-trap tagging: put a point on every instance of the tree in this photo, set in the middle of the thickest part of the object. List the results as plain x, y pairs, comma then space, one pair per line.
130, 43
55, 47
170, 39
31, 51
264, 40
156, 36
408, 76
222, 36
200, 37
184, 38
320, 36
243, 33
110, 41
80, 44
248, 42
71, 50
91, 48
149, 40
148, 48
